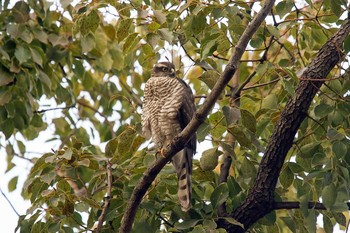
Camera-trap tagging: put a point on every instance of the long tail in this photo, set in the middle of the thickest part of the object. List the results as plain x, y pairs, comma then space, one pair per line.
182, 162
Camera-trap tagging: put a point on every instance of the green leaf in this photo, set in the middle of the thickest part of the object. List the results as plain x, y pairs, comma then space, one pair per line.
186, 224
336, 7
322, 110
248, 120
234, 222
44, 78
209, 159
165, 34
288, 86
37, 121
270, 102
123, 29
273, 31
130, 42
347, 44
339, 149
89, 23
109, 31
207, 48
289, 223
67, 154
21, 12
68, 208
7, 127
286, 178
311, 221
310, 149
63, 186
6, 77
22, 54
256, 42
198, 23
232, 115
248, 167
153, 26
240, 135
87, 42
203, 131
327, 224
5, 97
233, 187
209, 77
329, 195
209, 224
21, 146
340, 218
219, 195
111, 147
283, 8
37, 55
12, 185
160, 16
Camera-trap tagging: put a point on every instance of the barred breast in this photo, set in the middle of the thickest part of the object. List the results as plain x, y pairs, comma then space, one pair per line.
162, 101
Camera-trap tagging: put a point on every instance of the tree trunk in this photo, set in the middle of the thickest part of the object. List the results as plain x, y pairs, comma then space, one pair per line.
260, 200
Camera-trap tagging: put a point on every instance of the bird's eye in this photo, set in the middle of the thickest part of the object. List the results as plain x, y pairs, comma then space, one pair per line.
164, 69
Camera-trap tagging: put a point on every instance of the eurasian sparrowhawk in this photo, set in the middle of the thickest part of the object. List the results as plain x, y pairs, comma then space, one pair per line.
168, 107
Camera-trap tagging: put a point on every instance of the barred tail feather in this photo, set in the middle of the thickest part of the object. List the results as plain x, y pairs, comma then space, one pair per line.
182, 162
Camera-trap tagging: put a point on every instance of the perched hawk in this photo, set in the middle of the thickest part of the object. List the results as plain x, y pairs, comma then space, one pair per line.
168, 107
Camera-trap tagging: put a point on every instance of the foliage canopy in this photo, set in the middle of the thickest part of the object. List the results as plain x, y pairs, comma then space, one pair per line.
87, 63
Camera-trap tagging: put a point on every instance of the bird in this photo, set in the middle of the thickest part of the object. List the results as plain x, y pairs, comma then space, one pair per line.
168, 106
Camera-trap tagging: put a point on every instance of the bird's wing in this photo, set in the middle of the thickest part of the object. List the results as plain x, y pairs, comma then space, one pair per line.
182, 161
186, 112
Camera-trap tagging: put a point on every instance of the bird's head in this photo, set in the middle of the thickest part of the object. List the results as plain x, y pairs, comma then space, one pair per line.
164, 69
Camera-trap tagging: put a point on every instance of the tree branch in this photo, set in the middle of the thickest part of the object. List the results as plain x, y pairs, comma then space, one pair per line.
52, 109
227, 157
13, 208
179, 141
260, 200
107, 198
288, 205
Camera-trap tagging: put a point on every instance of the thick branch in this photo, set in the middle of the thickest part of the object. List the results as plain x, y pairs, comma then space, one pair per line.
179, 141
260, 200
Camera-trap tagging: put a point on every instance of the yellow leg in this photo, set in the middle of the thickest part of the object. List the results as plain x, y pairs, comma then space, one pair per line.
161, 152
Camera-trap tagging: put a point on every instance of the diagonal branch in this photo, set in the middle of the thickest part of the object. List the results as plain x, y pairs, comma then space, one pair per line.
13, 208
260, 200
179, 141
107, 198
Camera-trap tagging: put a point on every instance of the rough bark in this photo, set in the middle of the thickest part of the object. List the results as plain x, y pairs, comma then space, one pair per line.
260, 201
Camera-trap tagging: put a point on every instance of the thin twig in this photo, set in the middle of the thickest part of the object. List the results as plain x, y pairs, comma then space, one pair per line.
13, 208
227, 157
261, 84
165, 221
52, 109
82, 103
133, 95
107, 198
263, 58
